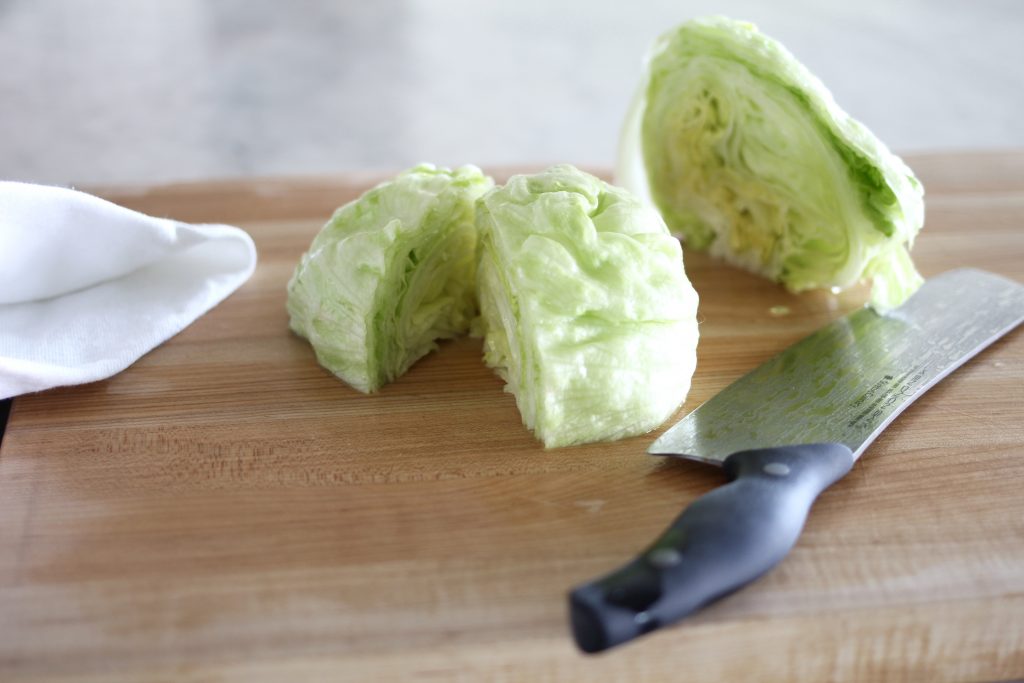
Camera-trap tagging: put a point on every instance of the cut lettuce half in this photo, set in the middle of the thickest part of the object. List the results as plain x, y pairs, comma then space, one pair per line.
746, 155
389, 274
586, 310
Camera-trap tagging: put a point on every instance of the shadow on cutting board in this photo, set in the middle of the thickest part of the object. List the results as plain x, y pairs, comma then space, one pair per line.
5, 411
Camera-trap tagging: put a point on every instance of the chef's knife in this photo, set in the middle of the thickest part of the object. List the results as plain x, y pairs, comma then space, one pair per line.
784, 433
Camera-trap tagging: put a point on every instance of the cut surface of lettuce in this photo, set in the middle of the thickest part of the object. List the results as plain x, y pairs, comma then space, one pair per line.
747, 155
389, 274
586, 310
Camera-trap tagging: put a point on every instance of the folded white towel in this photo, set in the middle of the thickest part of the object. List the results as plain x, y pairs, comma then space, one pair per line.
87, 287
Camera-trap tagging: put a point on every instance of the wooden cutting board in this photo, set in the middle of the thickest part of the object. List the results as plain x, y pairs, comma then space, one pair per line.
227, 510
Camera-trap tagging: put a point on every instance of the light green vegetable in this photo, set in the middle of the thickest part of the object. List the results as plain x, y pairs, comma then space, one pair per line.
746, 154
585, 308
389, 274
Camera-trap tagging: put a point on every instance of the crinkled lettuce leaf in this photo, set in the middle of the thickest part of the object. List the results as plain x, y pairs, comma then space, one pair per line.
389, 274
586, 310
747, 155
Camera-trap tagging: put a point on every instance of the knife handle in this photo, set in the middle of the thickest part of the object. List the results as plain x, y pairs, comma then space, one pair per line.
722, 541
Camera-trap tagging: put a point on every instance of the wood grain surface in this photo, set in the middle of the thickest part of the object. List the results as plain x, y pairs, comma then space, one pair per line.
226, 510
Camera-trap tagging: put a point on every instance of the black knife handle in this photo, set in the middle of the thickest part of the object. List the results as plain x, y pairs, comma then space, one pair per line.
722, 541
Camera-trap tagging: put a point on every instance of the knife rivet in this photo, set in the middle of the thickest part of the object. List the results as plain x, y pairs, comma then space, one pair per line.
663, 558
776, 469
641, 618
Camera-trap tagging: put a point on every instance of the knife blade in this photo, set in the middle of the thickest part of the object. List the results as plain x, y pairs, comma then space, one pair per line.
784, 433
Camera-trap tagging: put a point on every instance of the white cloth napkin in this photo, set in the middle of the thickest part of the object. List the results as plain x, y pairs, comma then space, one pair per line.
87, 287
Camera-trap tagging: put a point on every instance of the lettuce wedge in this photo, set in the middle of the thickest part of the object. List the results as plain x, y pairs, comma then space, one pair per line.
747, 156
586, 310
389, 274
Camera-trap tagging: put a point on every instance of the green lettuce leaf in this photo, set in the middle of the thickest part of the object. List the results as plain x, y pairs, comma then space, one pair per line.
586, 310
389, 274
747, 155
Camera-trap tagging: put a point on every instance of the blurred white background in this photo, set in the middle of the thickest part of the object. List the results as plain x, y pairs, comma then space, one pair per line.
140, 91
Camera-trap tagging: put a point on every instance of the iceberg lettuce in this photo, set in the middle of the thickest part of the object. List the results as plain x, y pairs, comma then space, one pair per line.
747, 155
586, 310
389, 274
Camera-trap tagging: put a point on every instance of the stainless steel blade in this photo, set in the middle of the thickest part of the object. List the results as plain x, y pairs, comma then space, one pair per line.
848, 381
